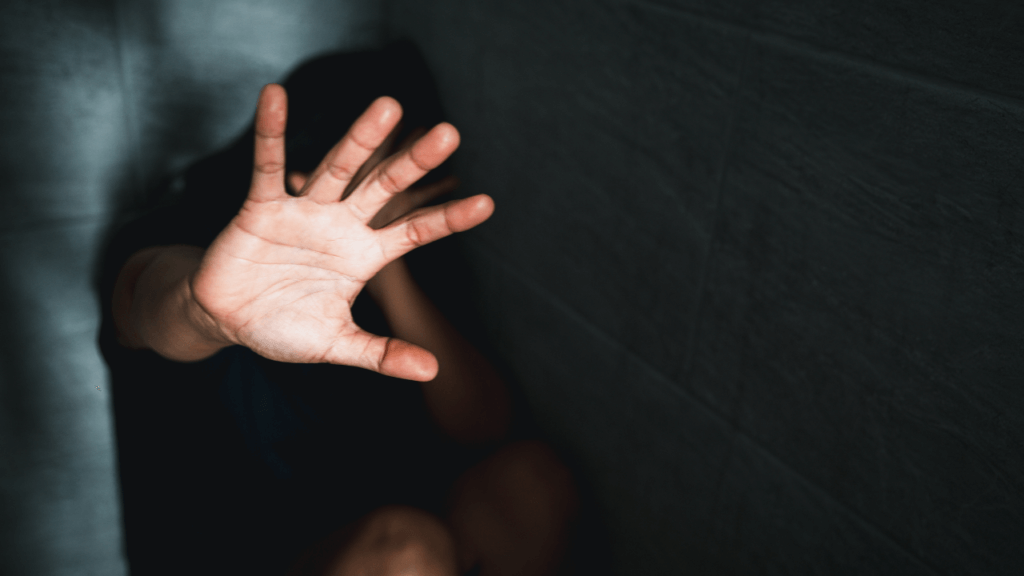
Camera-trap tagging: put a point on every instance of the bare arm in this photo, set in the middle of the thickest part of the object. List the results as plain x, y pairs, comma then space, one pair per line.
467, 399
154, 309
282, 276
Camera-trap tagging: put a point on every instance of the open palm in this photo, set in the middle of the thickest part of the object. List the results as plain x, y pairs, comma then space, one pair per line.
282, 276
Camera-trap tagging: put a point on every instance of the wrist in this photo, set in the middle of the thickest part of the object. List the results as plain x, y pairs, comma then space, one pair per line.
208, 332
166, 315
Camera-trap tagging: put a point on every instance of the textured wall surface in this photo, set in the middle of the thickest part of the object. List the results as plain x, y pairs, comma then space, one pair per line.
100, 100
758, 268
756, 265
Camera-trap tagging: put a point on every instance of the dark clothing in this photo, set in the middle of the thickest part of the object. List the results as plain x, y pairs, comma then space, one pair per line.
233, 464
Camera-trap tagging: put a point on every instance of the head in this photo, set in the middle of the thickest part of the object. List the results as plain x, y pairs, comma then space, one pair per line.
327, 94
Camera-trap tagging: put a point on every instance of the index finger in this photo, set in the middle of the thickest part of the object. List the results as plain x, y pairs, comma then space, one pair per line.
342, 163
402, 170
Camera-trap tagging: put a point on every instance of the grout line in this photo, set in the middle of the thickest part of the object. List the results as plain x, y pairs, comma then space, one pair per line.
494, 255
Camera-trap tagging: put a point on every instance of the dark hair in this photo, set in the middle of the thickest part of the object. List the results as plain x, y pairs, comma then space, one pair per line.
328, 93
325, 95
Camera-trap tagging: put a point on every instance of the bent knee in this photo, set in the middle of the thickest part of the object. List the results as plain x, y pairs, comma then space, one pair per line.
400, 540
406, 531
538, 475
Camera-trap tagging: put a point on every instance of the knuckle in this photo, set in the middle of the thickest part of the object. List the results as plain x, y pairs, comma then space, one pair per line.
410, 557
357, 211
424, 166
340, 172
358, 139
447, 220
269, 167
388, 182
412, 541
417, 232
383, 355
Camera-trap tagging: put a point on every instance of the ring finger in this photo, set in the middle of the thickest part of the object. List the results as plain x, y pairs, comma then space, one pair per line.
402, 170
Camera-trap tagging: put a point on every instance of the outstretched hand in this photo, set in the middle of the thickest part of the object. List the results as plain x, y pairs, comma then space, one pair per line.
282, 276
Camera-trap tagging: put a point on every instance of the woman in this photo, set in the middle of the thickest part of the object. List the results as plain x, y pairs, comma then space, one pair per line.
261, 429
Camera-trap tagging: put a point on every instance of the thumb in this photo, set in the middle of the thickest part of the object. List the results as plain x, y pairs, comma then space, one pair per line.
388, 356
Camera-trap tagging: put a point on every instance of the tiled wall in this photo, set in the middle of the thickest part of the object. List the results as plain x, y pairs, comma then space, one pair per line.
99, 100
758, 268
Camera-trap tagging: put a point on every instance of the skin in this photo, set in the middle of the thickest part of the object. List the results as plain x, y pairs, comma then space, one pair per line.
508, 515
281, 278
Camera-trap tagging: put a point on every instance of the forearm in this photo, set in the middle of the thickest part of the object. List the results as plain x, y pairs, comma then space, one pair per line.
153, 305
467, 399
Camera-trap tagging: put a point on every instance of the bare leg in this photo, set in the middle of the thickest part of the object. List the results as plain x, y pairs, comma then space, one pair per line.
390, 541
511, 513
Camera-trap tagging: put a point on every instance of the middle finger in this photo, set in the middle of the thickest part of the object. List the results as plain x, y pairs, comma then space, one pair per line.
402, 170
342, 163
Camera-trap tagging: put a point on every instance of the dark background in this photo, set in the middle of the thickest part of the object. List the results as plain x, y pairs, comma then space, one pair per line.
756, 266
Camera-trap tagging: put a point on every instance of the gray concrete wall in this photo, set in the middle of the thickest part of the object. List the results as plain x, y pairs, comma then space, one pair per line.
100, 101
758, 268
